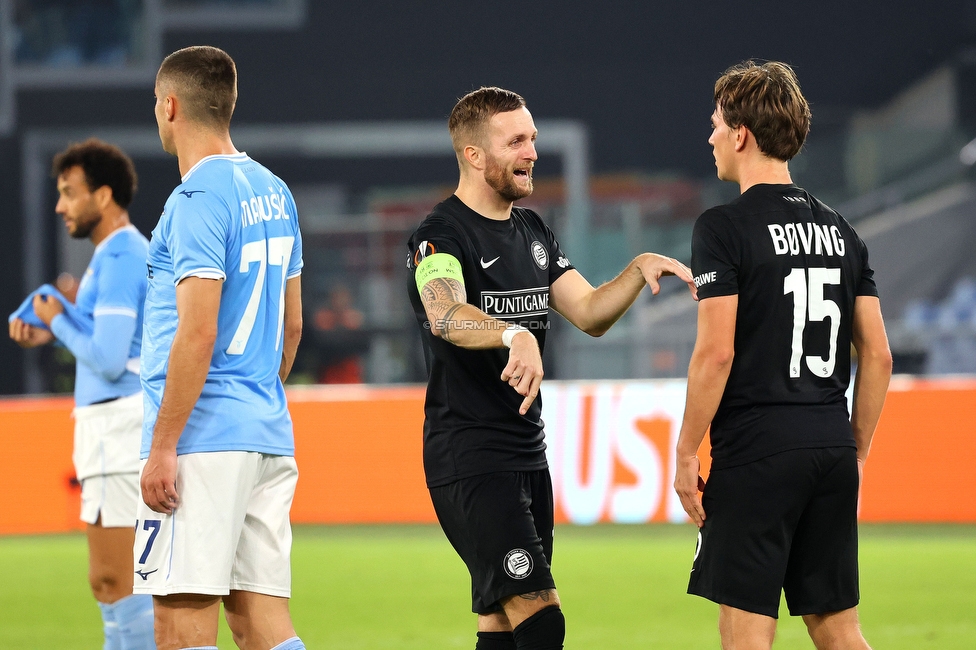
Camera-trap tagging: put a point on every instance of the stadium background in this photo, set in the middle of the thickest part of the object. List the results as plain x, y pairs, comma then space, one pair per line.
348, 103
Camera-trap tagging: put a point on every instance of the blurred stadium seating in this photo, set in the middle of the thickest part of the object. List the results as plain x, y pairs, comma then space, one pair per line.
894, 170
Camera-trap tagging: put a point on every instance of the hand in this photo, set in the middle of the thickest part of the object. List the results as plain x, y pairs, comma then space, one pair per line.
28, 337
688, 483
653, 266
47, 307
524, 369
159, 481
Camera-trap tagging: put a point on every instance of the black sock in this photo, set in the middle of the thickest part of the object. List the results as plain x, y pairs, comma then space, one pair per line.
544, 630
495, 641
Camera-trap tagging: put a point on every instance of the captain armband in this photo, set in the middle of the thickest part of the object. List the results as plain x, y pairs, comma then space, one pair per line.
438, 265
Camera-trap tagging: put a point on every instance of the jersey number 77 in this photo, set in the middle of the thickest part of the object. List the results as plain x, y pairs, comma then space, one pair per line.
274, 251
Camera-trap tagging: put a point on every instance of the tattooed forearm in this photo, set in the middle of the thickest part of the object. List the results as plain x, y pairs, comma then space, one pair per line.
443, 289
448, 321
543, 595
428, 295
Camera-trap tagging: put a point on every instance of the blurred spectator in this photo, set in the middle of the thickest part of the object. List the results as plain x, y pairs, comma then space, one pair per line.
75, 32
948, 329
339, 339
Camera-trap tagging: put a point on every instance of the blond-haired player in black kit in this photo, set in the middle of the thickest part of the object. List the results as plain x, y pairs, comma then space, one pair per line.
483, 276
785, 289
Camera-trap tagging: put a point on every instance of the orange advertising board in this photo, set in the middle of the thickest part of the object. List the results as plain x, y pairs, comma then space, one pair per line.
610, 451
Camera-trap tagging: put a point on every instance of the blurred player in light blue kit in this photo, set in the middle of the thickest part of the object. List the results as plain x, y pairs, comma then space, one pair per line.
96, 182
223, 321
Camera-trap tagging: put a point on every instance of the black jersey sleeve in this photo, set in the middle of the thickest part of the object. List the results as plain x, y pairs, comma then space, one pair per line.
435, 235
560, 263
866, 286
715, 255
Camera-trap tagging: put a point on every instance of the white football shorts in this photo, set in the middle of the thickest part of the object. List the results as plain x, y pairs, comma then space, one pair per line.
231, 530
106, 459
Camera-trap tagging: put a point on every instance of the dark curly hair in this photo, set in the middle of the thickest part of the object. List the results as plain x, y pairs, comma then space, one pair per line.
103, 164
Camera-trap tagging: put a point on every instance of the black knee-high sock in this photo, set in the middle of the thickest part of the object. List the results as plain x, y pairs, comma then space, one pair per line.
495, 641
544, 630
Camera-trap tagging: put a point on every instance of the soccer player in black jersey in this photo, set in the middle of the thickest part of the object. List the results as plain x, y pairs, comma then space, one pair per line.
785, 289
483, 277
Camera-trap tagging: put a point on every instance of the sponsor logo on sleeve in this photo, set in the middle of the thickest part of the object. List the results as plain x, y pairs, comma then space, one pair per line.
705, 278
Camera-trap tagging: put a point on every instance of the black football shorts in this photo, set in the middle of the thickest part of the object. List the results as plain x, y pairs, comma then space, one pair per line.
501, 526
785, 522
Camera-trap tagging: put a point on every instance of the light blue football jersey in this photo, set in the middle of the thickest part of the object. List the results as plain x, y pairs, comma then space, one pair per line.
111, 294
230, 219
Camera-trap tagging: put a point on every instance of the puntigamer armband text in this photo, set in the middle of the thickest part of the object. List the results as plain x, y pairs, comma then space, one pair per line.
438, 265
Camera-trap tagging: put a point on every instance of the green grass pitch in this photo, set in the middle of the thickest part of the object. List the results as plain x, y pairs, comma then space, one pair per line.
402, 588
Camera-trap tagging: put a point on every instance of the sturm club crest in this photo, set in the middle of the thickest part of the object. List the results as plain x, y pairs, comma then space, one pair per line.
540, 255
518, 564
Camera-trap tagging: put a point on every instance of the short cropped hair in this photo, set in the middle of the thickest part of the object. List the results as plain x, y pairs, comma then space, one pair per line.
468, 123
103, 164
766, 99
204, 79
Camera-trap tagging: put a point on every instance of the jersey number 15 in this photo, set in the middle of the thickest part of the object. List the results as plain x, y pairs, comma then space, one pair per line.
274, 251
811, 296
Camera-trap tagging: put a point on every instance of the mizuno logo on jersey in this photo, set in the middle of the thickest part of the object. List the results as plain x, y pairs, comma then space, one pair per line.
516, 304
263, 208
145, 574
189, 193
809, 237
705, 278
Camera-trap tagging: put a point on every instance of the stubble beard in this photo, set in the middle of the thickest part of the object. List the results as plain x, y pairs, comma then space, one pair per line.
502, 181
85, 224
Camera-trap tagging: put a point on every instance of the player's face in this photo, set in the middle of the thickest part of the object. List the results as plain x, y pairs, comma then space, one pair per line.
511, 154
164, 125
76, 203
723, 146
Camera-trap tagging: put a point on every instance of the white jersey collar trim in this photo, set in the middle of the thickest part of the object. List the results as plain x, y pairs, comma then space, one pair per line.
217, 156
101, 244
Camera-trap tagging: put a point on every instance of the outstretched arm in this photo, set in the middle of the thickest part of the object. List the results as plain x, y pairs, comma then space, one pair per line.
594, 311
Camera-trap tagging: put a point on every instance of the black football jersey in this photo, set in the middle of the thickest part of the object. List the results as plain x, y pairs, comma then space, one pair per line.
796, 266
472, 424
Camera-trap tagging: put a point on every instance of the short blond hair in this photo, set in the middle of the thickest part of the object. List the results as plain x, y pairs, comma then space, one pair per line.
468, 123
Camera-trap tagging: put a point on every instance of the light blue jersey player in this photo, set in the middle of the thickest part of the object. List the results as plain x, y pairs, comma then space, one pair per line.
230, 220
223, 322
96, 183
111, 294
